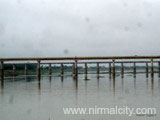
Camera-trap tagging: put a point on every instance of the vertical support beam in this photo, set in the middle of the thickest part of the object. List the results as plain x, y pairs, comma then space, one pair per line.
113, 68
76, 68
62, 69
14, 70
73, 69
152, 69
146, 70
97, 68
158, 69
122, 70
134, 69
50, 69
25, 69
2, 71
38, 70
110, 70
86, 69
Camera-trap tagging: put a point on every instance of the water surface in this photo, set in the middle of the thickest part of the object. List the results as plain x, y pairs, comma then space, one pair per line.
24, 98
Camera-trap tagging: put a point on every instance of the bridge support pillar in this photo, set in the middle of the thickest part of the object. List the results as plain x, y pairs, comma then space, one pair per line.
158, 69
50, 69
152, 69
97, 70
113, 68
122, 70
14, 70
86, 70
146, 70
2, 71
134, 69
38, 70
76, 69
62, 69
110, 70
25, 69
73, 69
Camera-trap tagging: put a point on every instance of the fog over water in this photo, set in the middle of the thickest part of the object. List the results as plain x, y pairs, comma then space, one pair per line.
30, 28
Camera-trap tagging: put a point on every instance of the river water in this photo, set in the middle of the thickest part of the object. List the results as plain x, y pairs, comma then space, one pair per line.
24, 98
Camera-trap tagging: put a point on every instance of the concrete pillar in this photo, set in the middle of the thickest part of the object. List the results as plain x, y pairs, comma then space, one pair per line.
38, 70
50, 69
152, 69
113, 68
2, 70
122, 70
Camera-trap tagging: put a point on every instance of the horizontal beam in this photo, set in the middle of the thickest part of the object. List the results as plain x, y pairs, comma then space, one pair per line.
95, 62
88, 62
80, 58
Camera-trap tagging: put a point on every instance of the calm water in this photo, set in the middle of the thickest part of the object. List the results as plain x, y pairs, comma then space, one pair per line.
26, 99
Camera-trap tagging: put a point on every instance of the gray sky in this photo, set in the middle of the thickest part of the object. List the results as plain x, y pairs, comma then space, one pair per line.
32, 28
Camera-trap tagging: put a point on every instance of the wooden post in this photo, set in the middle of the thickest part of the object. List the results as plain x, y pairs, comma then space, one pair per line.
38, 70
14, 70
158, 69
146, 70
122, 70
134, 69
110, 70
152, 69
25, 69
50, 69
98, 68
62, 69
2, 71
113, 68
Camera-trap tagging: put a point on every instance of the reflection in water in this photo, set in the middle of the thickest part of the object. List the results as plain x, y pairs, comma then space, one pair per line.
2, 84
97, 76
50, 82
147, 83
110, 84
159, 84
86, 87
50, 77
77, 92
122, 84
152, 85
75, 83
135, 84
39, 86
98, 82
62, 77
86, 77
114, 83
109, 76
1, 87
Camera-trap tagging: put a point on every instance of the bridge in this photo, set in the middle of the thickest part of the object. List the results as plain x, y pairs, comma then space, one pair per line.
111, 61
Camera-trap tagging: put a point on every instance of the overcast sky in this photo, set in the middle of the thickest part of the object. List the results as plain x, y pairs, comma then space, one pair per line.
38, 28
